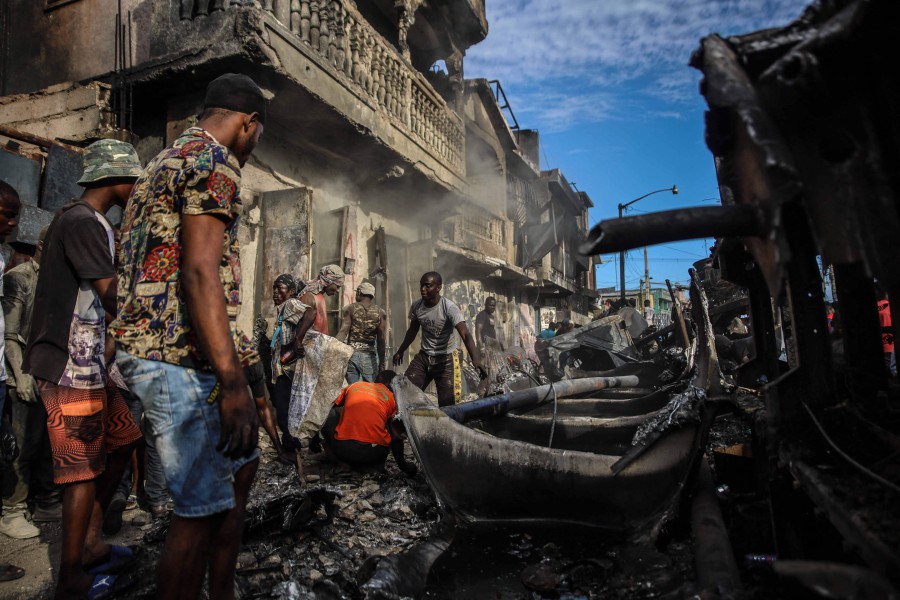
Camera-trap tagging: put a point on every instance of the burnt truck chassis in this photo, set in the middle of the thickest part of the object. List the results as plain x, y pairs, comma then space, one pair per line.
803, 124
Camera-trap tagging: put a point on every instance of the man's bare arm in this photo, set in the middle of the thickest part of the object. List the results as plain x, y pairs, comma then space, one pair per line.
470, 347
411, 334
345, 325
106, 290
380, 337
306, 321
205, 298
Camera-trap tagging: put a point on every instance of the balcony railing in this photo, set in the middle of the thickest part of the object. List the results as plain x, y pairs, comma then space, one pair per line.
344, 40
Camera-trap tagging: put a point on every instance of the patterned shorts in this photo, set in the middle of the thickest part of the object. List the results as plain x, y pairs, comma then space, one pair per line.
85, 426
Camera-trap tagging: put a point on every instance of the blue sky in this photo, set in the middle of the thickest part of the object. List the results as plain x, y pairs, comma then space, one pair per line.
606, 82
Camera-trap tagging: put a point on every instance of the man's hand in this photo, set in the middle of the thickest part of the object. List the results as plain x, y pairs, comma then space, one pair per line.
481, 370
240, 422
398, 359
25, 388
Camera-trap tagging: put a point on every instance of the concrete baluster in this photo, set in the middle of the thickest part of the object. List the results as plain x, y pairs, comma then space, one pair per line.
324, 30
314, 24
295, 17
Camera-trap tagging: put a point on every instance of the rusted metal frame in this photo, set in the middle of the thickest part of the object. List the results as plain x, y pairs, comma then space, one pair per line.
828, 84
871, 548
615, 235
755, 163
813, 344
678, 316
36, 140
861, 332
738, 267
709, 374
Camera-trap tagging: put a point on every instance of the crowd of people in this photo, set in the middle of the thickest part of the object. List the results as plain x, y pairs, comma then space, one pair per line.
123, 344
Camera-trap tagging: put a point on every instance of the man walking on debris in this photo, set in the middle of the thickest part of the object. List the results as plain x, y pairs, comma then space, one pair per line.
438, 360
329, 281
180, 351
360, 427
92, 433
486, 323
634, 322
287, 347
33, 473
364, 328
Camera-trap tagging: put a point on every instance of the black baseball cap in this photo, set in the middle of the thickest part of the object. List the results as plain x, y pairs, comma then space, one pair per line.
233, 91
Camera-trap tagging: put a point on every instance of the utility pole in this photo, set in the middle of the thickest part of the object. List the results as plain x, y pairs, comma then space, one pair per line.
622, 207
646, 274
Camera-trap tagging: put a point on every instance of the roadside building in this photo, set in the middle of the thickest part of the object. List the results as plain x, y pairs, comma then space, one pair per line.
370, 158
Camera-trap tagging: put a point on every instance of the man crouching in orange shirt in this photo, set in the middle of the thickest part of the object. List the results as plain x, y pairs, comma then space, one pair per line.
360, 427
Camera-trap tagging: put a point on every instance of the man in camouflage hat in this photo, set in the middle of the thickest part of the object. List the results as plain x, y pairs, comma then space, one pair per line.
92, 433
363, 328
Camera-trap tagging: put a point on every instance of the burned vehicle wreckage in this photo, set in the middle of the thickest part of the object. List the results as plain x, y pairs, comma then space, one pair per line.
778, 446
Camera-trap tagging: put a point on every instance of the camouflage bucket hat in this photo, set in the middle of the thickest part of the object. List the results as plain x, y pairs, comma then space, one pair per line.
108, 159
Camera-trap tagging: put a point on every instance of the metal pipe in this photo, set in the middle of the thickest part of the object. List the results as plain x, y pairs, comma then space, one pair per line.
717, 571
36, 140
617, 235
495, 405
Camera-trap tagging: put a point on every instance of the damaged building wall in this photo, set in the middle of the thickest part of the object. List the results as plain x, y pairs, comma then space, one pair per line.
361, 162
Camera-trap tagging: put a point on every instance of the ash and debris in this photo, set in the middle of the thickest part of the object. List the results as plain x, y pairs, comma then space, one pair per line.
682, 408
310, 541
508, 565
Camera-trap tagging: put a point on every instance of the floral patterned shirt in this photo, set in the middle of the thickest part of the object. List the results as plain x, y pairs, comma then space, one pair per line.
196, 175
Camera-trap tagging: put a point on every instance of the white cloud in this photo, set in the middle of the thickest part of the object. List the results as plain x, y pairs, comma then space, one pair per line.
593, 54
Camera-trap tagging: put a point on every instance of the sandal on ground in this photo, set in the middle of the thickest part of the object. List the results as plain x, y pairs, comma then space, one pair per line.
10, 572
119, 558
106, 586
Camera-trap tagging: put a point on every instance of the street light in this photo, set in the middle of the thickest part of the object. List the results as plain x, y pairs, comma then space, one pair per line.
622, 207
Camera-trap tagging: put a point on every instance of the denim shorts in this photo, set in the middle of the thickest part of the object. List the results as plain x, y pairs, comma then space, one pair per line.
363, 366
185, 429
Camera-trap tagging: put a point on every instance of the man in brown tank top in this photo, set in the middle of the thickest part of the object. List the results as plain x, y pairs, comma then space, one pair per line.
363, 327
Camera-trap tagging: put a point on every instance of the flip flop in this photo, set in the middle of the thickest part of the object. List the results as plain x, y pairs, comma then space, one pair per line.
106, 586
119, 558
10, 572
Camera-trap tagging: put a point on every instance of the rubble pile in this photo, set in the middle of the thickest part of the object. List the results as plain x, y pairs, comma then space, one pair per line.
311, 541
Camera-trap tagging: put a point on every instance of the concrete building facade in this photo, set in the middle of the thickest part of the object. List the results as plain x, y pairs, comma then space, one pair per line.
369, 158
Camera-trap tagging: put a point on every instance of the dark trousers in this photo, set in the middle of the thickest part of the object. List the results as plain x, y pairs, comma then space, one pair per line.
32, 472
357, 454
443, 369
282, 406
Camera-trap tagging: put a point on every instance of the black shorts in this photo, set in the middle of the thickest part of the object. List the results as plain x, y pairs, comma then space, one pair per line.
444, 370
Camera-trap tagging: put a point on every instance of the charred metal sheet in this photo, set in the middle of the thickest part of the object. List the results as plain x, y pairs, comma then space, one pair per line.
23, 174
601, 345
31, 221
64, 168
485, 479
879, 555
404, 575
615, 235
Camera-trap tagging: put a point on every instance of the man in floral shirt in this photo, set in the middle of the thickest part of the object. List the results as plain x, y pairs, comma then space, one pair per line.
179, 348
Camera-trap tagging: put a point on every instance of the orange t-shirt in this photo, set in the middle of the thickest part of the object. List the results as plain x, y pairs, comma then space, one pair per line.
367, 408
884, 317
